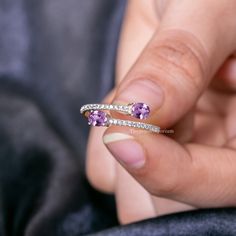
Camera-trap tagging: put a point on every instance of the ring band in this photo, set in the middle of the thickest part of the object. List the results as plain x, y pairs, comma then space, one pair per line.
125, 109
97, 117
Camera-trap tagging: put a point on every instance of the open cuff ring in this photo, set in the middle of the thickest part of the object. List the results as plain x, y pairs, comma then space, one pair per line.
98, 117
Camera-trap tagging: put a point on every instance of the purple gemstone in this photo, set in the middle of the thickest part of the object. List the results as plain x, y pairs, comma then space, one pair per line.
140, 110
97, 118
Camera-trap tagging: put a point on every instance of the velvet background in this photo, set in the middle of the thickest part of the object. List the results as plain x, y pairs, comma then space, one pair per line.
56, 55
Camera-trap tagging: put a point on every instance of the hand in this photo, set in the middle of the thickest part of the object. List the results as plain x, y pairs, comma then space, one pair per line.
175, 75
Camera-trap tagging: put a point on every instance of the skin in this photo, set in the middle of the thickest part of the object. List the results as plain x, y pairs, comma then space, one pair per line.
185, 49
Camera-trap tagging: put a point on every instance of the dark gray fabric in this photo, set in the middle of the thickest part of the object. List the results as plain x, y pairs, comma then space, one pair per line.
56, 55
210, 222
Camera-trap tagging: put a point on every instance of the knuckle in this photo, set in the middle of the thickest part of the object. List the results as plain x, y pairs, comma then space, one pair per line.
179, 59
166, 188
161, 184
126, 216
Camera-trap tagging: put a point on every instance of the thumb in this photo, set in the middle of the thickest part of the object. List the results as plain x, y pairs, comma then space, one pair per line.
180, 59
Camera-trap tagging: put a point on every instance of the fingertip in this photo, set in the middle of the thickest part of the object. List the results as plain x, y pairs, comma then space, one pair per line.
125, 149
98, 158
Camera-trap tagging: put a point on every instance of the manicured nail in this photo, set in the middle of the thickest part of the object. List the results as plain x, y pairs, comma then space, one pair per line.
144, 90
125, 149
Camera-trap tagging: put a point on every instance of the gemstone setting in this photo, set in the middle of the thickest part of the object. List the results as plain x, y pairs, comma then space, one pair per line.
140, 110
97, 118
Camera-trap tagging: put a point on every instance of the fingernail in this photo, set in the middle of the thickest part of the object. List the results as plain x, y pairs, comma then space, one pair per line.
125, 149
232, 71
145, 90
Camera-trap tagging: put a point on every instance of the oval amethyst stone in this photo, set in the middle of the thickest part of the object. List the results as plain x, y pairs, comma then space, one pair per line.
97, 118
140, 110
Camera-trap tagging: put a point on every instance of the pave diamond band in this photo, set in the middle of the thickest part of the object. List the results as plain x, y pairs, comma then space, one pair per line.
98, 117
126, 109
134, 124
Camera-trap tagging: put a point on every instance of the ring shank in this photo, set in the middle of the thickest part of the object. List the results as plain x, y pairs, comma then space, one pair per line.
134, 124
126, 109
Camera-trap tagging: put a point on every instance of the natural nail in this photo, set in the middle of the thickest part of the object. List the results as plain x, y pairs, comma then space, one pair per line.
125, 149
